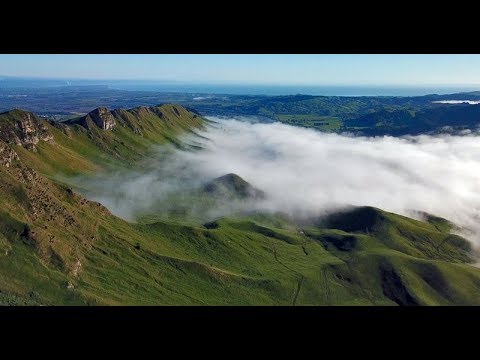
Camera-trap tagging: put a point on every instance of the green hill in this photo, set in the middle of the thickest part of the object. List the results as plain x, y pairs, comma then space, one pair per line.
232, 186
58, 248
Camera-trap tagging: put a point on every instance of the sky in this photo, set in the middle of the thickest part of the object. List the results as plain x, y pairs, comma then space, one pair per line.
294, 69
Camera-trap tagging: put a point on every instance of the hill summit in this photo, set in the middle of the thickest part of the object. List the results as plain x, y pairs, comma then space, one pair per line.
232, 186
101, 117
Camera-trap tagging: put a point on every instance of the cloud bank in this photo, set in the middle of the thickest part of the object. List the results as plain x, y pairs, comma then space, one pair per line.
304, 171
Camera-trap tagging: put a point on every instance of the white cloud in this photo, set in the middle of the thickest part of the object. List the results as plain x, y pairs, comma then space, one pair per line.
304, 171
471, 102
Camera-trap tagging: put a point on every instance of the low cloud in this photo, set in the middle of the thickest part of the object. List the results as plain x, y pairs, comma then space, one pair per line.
303, 171
470, 102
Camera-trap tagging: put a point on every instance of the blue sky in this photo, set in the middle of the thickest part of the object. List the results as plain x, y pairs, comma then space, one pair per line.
255, 69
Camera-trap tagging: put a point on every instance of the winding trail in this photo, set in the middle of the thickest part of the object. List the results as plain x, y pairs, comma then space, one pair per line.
326, 286
298, 287
297, 290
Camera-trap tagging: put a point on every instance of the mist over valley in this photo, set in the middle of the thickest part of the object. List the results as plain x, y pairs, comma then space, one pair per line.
303, 173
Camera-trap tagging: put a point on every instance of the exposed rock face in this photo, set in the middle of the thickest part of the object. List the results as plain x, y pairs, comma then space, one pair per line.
139, 120
7, 155
158, 112
102, 118
142, 111
23, 128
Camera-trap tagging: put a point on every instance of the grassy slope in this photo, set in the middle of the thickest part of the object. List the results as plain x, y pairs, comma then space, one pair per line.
323, 123
245, 261
77, 150
58, 248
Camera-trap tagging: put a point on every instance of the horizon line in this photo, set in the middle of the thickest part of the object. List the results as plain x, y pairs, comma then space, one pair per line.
233, 82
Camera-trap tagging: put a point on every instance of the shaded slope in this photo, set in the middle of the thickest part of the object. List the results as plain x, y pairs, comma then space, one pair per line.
417, 238
409, 262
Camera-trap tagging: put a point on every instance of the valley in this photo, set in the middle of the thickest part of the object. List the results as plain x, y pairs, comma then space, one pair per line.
60, 246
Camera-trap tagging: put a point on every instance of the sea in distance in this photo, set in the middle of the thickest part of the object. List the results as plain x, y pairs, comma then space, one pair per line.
240, 89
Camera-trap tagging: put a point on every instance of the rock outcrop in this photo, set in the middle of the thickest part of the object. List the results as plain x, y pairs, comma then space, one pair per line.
102, 118
20, 127
7, 155
232, 186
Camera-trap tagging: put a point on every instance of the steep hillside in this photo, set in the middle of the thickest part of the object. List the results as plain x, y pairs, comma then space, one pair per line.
102, 139
19, 127
45, 228
58, 248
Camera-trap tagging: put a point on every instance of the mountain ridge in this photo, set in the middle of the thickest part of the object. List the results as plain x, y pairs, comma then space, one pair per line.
82, 144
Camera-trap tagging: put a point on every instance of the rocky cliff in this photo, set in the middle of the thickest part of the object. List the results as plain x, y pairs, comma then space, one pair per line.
100, 117
7, 155
18, 127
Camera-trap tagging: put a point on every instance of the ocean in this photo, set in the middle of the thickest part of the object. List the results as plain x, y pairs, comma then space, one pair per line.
237, 89
293, 90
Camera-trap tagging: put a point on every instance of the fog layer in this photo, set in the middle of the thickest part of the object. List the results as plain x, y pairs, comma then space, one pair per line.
304, 171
